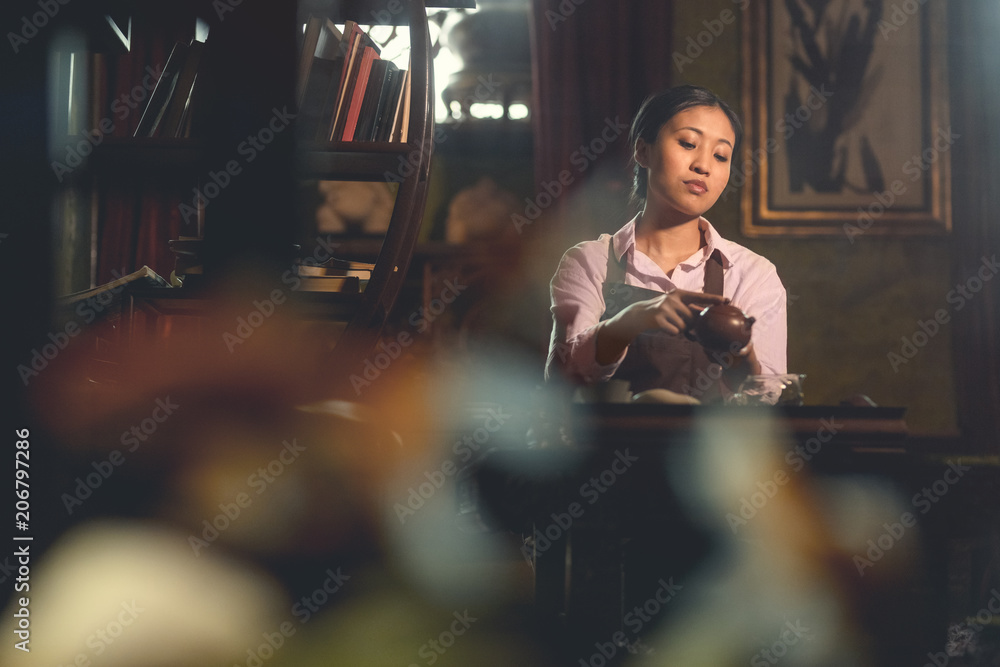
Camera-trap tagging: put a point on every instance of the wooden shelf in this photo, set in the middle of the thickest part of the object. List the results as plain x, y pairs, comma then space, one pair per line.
172, 301
126, 154
367, 12
349, 161
352, 161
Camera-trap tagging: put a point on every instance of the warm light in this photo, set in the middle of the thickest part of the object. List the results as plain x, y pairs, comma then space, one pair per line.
518, 111
395, 44
396, 47
486, 110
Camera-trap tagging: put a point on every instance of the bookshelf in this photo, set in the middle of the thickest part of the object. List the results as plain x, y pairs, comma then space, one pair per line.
264, 193
354, 160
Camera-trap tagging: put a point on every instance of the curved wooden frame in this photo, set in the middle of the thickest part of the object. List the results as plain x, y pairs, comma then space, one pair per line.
379, 297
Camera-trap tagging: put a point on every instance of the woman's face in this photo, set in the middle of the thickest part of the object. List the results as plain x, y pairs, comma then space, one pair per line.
688, 165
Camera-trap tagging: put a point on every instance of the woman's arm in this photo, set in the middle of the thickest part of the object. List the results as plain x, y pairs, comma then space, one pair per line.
582, 347
671, 312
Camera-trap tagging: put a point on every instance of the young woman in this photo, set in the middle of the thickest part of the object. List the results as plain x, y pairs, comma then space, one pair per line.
622, 303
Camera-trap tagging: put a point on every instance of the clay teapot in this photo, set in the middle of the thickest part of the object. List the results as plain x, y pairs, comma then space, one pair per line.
721, 328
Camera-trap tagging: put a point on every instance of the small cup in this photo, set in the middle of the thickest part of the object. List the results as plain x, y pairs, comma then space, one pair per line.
783, 389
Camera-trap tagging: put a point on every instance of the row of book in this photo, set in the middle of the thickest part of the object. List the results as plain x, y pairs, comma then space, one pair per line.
335, 275
346, 91
168, 112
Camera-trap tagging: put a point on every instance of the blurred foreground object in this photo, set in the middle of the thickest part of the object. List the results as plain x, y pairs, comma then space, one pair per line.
257, 497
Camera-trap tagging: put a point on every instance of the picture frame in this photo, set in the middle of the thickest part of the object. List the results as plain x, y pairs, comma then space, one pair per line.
847, 130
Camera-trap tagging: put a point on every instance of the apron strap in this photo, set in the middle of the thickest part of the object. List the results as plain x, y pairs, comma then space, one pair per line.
616, 267
713, 273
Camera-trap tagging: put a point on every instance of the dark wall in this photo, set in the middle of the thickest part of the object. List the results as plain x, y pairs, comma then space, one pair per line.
849, 304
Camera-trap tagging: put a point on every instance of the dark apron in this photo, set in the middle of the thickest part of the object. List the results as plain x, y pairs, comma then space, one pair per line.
657, 359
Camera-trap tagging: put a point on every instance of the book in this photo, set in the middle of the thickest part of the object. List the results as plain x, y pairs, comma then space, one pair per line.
387, 115
324, 76
347, 284
350, 36
375, 94
172, 123
192, 102
145, 277
358, 94
337, 268
358, 43
328, 108
400, 127
321, 39
405, 96
310, 39
331, 41
152, 115
385, 100
347, 79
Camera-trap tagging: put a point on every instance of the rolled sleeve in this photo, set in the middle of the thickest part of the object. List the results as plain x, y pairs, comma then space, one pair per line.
577, 305
765, 301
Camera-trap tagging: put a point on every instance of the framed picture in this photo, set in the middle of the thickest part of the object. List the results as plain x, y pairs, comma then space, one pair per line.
846, 118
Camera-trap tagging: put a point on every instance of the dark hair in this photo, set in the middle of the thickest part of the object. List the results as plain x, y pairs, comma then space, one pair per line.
660, 108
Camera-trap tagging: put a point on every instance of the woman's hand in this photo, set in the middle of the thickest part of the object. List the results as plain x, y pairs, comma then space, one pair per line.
672, 312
